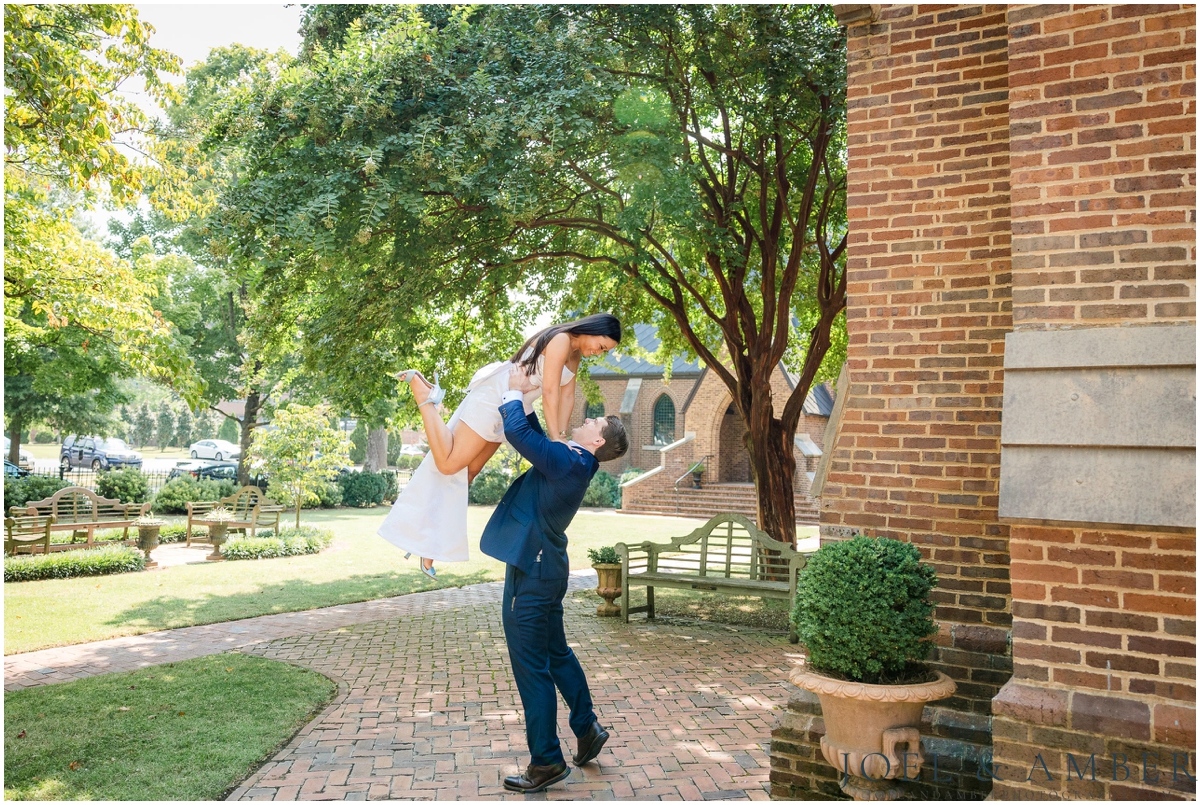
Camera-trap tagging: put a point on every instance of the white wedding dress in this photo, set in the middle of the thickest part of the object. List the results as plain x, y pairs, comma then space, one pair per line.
429, 517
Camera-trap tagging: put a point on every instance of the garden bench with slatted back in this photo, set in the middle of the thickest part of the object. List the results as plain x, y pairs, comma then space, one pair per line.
728, 554
251, 511
81, 511
27, 532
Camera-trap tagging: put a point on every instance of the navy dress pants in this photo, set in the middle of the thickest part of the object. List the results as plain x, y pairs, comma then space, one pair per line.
541, 661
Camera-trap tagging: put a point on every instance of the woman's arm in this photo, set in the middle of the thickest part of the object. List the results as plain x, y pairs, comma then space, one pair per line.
566, 404
558, 351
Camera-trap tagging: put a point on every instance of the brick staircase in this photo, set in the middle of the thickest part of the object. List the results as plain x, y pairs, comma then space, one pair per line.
711, 500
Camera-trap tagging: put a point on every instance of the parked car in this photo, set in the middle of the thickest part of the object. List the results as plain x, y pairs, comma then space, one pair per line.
205, 470
98, 453
217, 449
25, 458
13, 471
412, 450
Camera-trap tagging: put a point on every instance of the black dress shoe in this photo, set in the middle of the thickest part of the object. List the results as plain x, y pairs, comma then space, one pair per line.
537, 778
590, 743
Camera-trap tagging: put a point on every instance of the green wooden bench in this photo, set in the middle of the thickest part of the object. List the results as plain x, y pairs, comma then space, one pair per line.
251, 511
81, 511
728, 554
27, 532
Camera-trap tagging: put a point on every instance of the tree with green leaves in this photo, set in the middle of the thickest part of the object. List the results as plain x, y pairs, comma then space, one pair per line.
68, 131
683, 165
183, 428
164, 430
143, 425
300, 452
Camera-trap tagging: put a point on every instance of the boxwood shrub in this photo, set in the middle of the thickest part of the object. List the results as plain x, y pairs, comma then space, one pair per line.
863, 612
362, 488
68, 564
289, 542
178, 492
127, 485
19, 491
489, 486
603, 491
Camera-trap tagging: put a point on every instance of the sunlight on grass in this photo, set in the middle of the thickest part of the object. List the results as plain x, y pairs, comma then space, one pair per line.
185, 731
359, 566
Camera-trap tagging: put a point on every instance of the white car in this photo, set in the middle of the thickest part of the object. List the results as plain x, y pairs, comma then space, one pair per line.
218, 449
25, 459
412, 450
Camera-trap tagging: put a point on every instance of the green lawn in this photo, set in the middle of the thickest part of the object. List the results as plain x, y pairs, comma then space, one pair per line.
358, 567
183, 731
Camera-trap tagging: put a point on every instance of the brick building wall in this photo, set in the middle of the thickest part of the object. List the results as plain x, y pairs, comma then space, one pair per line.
1083, 117
1102, 108
918, 451
643, 453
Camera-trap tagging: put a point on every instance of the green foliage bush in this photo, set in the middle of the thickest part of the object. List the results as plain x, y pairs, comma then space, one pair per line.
603, 491
626, 476
406, 462
68, 564
358, 443
43, 437
489, 486
127, 485
19, 491
178, 492
606, 555
863, 611
362, 488
391, 487
177, 532
290, 542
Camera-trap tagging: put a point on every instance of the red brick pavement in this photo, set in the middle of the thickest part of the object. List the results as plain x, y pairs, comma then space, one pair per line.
427, 708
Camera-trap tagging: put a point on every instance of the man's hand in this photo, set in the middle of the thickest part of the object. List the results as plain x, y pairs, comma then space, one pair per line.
519, 381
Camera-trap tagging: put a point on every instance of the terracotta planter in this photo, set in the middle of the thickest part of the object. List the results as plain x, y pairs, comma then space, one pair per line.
148, 541
609, 588
869, 728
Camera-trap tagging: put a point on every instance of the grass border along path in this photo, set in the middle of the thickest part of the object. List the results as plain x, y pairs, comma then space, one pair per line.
359, 566
182, 731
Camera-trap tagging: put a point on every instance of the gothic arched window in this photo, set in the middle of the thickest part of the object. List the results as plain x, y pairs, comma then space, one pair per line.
664, 420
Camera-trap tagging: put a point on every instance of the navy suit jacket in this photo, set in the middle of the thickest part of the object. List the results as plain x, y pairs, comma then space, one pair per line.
533, 516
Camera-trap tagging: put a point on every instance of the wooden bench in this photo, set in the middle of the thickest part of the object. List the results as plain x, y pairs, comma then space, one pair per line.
728, 554
251, 511
27, 532
81, 511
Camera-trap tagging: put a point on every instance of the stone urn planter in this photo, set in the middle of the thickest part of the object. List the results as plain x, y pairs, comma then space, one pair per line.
872, 732
218, 529
148, 528
607, 565
864, 614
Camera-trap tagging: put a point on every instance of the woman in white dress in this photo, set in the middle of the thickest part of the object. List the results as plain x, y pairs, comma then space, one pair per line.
429, 517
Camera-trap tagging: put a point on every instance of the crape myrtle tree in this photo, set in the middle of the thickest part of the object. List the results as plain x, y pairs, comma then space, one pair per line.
683, 165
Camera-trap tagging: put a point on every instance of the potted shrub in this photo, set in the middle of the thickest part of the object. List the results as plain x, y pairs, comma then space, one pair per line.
863, 612
148, 528
607, 565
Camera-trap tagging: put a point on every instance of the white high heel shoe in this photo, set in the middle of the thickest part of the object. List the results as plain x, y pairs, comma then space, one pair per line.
436, 394
428, 571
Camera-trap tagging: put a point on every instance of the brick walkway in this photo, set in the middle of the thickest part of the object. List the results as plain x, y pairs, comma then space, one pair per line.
427, 708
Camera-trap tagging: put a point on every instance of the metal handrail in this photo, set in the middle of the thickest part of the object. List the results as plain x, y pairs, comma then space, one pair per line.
691, 469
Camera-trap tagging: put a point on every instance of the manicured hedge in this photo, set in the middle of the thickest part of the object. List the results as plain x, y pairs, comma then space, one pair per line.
603, 491
19, 491
489, 486
127, 485
362, 488
68, 564
290, 542
178, 492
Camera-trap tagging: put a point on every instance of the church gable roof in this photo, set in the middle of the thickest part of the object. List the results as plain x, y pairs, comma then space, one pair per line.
647, 338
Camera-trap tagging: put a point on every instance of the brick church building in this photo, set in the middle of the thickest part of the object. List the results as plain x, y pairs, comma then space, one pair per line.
678, 420
1019, 394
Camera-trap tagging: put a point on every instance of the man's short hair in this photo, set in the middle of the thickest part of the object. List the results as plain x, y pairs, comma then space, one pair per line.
615, 440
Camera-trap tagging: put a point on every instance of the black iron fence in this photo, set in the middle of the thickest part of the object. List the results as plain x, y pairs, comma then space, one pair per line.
156, 479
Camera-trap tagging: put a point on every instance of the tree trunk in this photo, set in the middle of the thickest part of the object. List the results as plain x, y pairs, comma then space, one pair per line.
377, 445
773, 463
15, 423
248, 423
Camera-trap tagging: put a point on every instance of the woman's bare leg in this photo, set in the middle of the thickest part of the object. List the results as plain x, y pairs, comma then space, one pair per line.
477, 463
454, 450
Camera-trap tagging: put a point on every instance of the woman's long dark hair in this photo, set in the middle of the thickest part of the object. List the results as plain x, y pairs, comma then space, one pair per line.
604, 324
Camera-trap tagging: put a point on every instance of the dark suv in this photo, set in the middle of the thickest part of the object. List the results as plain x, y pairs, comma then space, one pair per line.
97, 453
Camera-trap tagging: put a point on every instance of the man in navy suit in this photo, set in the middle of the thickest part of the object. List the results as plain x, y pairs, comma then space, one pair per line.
527, 532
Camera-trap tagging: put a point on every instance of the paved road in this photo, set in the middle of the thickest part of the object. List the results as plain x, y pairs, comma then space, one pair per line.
427, 708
